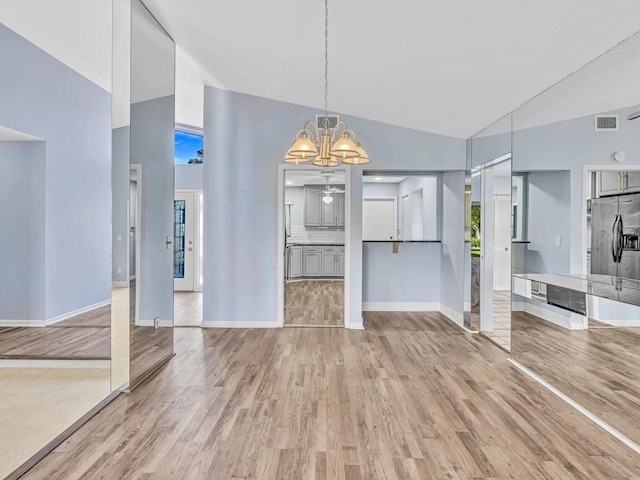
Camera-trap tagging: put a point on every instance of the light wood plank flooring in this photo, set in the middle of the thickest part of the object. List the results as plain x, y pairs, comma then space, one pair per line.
84, 336
599, 367
412, 396
315, 302
187, 308
501, 333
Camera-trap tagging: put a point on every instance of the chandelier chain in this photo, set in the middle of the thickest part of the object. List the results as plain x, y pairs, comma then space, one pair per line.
326, 63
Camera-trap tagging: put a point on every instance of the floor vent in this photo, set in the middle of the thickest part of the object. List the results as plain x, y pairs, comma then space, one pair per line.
606, 122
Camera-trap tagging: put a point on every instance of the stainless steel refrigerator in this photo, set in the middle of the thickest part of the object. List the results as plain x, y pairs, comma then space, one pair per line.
615, 226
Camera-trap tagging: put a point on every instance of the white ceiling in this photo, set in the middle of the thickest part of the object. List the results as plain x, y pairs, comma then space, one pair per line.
445, 66
382, 179
298, 178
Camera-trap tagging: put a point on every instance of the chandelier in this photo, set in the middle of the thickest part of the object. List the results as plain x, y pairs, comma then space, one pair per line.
317, 142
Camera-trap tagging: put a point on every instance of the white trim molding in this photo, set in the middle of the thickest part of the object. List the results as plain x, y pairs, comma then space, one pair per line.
119, 284
22, 323
549, 316
452, 315
33, 363
400, 306
73, 313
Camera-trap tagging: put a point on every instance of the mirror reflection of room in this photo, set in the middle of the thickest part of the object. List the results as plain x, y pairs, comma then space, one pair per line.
576, 261
188, 227
314, 248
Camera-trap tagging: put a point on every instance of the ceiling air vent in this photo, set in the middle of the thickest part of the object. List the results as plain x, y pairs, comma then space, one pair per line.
332, 119
606, 122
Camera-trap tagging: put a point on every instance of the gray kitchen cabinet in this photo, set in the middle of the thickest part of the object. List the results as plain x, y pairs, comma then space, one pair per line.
295, 261
340, 264
617, 182
312, 261
312, 202
339, 201
320, 214
329, 264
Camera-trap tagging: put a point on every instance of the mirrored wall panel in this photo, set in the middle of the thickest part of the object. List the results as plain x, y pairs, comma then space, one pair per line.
151, 190
55, 192
576, 256
488, 227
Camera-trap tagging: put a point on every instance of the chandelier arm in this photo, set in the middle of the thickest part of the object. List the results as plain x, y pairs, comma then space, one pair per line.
306, 128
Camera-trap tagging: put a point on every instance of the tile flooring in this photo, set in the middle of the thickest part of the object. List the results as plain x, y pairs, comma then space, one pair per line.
501, 320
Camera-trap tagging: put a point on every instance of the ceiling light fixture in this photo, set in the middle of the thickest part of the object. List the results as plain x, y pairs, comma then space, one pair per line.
327, 198
319, 143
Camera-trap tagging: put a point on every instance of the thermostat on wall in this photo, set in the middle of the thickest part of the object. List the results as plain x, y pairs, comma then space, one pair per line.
619, 156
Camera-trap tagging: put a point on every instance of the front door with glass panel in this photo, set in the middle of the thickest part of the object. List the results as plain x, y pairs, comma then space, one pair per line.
184, 238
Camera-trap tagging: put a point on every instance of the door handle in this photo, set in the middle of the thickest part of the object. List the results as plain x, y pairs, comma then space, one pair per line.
190, 249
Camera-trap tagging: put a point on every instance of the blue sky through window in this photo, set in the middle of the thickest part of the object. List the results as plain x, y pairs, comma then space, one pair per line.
187, 146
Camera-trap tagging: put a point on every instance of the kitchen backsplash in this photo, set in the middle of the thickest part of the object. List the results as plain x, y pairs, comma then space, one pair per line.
302, 234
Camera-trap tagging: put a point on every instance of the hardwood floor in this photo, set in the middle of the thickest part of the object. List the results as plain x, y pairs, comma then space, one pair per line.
82, 337
501, 333
315, 302
412, 396
599, 368
187, 308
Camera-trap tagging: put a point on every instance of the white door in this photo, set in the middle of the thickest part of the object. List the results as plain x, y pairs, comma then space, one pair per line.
405, 234
183, 241
502, 243
379, 218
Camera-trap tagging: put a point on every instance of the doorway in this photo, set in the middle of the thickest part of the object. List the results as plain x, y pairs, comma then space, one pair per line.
188, 257
314, 247
495, 235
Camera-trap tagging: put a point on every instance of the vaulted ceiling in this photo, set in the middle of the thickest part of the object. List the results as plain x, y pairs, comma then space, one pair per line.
445, 66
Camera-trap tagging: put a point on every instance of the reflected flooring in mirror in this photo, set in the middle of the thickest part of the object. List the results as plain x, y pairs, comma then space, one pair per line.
501, 333
38, 404
148, 349
81, 337
315, 303
599, 368
187, 309
412, 396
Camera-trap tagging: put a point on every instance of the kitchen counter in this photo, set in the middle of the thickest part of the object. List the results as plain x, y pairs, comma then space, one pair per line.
619, 289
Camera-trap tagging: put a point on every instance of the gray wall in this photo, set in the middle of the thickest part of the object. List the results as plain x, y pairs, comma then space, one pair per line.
245, 140
42, 97
188, 177
22, 196
152, 146
120, 194
411, 275
431, 206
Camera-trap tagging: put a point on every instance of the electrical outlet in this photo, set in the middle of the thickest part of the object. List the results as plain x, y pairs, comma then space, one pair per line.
156, 323
558, 241
118, 238
118, 270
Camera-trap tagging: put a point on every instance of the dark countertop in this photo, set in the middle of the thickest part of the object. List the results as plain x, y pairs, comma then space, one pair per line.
625, 290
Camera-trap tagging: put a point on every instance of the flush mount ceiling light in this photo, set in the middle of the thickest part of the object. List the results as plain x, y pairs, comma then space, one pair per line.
317, 142
327, 198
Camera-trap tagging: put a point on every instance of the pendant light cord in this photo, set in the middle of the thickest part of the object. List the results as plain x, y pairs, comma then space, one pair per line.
326, 64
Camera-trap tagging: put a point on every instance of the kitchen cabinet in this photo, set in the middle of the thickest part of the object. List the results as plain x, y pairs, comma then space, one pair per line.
312, 257
616, 182
295, 261
320, 214
333, 261
312, 202
329, 266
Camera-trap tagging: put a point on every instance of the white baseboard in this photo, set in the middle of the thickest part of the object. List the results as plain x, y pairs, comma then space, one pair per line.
355, 326
119, 284
400, 306
451, 314
30, 363
548, 315
240, 324
595, 419
65, 316
517, 306
22, 323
